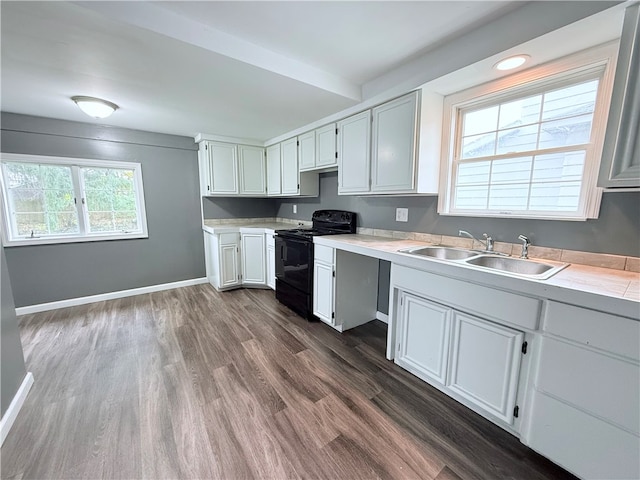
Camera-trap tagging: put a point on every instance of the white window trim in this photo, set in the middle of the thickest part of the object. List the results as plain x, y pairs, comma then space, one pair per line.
600, 57
72, 238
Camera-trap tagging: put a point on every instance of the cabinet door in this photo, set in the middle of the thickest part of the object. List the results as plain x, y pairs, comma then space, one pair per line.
203, 169
485, 364
252, 170
423, 340
323, 292
354, 153
274, 176
253, 263
290, 173
271, 265
223, 168
620, 166
307, 151
326, 146
393, 155
209, 259
229, 275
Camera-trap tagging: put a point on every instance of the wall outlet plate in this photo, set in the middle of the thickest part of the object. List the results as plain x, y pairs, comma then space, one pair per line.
295, 209
402, 214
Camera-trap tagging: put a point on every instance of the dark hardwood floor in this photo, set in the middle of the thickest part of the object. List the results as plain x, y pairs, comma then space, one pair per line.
192, 383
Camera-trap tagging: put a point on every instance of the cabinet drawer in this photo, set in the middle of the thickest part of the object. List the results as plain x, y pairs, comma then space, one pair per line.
323, 254
601, 385
609, 332
582, 444
485, 302
226, 238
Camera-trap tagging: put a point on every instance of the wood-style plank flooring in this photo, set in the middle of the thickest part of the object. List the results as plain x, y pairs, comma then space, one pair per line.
192, 383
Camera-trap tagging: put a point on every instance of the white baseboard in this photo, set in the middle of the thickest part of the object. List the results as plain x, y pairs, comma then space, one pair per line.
14, 407
383, 317
71, 302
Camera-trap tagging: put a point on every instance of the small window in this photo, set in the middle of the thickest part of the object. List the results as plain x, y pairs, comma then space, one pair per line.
529, 146
58, 200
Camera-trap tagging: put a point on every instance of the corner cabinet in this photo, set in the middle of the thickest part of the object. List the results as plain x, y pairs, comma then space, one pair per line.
222, 257
253, 259
317, 149
620, 166
227, 169
271, 260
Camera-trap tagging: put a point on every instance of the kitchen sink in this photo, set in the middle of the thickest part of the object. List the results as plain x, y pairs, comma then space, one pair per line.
443, 253
517, 266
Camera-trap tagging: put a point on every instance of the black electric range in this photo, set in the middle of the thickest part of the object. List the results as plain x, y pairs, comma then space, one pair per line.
294, 258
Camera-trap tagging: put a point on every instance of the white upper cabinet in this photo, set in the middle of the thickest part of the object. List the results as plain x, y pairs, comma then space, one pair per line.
252, 170
307, 151
223, 165
229, 169
620, 167
289, 155
326, 146
354, 153
393, 149
274, 174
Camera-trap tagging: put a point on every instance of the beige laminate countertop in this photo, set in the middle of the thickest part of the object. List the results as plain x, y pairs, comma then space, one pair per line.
217, 227
618, 284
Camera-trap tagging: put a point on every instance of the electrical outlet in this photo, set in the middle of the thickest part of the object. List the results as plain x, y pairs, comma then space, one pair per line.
402, 214
295, 209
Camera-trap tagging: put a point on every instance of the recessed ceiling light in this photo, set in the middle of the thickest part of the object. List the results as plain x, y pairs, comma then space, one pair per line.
511, 62
95, 107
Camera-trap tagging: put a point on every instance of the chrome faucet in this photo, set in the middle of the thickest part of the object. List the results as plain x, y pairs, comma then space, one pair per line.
525, 246
488, 243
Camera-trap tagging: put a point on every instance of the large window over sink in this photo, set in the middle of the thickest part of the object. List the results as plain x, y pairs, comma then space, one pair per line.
529, 145
60, 200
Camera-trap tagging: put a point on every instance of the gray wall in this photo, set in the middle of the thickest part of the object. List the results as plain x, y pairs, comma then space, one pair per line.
174, 250
616, 231
12, 368
239, 207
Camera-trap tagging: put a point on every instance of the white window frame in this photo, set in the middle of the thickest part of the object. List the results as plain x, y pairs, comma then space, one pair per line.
601, 59
9, 239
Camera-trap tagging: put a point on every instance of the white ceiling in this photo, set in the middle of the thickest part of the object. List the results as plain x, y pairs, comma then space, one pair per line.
237, 69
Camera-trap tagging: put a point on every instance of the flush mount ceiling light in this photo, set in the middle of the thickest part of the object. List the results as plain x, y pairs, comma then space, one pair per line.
511, 62
95, 107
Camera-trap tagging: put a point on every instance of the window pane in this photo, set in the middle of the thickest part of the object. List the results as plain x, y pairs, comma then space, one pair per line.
566, 166
520, 112
111, 199
473, 173
480, 121
570, 101
566, 131
471, 197
555, 197
41, 199
511, 170
509, 197
479, 145
517, 139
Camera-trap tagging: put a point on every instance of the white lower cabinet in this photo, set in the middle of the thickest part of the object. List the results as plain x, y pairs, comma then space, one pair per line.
324, 284
271, 261
469, 358
253, 259
485, 364
236, 259
222, 259
423, 338
345, 287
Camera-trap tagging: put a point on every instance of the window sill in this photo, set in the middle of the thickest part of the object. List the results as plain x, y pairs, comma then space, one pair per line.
55, 240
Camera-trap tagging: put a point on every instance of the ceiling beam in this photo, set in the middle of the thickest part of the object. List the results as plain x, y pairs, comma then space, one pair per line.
153, 17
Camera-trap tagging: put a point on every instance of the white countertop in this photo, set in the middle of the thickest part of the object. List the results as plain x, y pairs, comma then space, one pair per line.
608, 290
269, 227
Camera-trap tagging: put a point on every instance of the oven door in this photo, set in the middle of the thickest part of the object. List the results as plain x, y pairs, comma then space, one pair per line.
294, 262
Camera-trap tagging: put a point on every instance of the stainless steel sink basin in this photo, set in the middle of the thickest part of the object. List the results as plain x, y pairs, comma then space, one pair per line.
517, 266
443, 253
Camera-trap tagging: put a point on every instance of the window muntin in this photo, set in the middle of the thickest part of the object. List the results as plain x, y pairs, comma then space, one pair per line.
57, 200
528, 146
